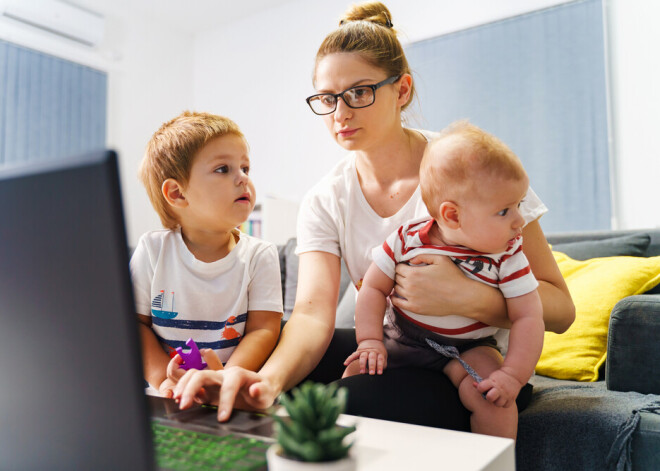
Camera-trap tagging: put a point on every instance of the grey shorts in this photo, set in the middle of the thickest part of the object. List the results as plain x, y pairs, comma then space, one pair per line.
406, 345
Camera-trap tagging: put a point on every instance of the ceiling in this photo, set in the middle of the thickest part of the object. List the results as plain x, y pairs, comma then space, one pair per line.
189, 16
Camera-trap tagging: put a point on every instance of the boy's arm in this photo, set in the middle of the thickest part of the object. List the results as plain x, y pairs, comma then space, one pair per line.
261, 333
371, 304
154, 359
525, 344
369, 312
526, 336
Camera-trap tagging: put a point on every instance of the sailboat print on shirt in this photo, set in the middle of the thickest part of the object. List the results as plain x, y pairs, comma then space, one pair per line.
159, 307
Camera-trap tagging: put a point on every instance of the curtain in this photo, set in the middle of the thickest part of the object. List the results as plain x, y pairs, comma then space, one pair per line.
538, 82
49, 107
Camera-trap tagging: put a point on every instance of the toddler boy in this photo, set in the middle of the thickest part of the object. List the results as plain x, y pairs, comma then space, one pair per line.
200, 277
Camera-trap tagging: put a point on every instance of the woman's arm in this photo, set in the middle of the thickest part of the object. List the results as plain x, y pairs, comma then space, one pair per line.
261, 332
308, 332
558, 307
441, 289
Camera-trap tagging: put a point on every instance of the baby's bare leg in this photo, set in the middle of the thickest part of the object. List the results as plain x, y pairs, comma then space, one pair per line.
487, 418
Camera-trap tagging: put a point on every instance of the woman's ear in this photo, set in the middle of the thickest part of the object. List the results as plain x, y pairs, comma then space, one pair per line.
449, 214
405, 89
173, 193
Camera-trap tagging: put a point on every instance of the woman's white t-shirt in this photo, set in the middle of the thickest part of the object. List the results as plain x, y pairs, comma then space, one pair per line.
335, 217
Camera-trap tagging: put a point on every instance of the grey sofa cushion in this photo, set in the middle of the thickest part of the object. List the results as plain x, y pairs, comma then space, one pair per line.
633, 350
634, 245
289, 270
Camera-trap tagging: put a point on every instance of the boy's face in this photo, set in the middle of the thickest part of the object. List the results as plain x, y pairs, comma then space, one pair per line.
219, 193
490, 219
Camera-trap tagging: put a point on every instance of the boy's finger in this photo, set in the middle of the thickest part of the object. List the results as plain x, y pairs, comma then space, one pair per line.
212, 359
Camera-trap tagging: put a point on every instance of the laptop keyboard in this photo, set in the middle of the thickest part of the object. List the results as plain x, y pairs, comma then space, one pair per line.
182, 450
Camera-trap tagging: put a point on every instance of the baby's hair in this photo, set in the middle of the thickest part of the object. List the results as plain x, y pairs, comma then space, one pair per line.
170, 153
469, 155
367, 29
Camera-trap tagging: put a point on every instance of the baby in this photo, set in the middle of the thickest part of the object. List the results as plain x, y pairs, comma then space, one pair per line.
472, 185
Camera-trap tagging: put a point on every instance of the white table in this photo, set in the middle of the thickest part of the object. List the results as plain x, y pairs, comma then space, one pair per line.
381, 445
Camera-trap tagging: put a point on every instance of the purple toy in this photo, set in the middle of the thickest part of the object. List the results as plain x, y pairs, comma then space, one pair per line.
192, 358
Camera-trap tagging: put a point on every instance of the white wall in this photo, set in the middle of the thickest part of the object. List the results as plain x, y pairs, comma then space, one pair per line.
149, 83
635, 82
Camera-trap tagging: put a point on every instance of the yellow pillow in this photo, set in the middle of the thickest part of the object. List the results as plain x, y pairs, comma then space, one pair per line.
596, 285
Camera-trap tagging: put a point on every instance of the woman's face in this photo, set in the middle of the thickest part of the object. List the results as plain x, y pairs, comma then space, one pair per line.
358, 129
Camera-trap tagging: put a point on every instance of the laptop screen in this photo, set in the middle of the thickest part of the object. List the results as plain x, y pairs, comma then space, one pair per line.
70, 370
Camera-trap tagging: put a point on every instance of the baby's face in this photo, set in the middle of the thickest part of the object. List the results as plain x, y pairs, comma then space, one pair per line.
220, 194
491, 219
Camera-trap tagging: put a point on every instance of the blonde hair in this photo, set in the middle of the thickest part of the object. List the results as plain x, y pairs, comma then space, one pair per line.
367, 29
470, 155
170, 153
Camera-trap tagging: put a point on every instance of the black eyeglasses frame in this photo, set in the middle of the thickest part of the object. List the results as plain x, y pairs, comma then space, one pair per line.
373, 87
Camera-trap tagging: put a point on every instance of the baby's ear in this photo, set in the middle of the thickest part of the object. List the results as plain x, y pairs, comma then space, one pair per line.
449, 214
173, 193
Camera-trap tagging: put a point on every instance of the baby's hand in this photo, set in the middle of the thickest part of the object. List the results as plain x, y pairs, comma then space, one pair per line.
501, 388
370, 353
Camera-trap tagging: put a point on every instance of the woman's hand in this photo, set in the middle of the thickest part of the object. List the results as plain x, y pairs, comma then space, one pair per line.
426, 285
433, 285
234, 386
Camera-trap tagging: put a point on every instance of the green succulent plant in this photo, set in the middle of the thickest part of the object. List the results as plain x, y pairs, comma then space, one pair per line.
311, 432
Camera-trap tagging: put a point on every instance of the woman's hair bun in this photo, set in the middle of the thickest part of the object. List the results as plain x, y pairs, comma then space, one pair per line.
374, 12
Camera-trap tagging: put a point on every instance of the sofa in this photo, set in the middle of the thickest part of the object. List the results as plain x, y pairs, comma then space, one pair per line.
611, 420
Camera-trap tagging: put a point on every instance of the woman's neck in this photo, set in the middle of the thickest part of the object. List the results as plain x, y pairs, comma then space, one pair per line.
389, 172
396, 158
209, 246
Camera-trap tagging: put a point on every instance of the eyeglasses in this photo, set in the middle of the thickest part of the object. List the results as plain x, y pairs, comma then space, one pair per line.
354, 97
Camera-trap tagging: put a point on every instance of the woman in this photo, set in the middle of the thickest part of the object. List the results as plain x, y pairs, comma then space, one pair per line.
364, 83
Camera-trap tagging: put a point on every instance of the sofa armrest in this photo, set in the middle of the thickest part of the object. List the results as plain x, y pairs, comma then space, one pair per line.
633, 346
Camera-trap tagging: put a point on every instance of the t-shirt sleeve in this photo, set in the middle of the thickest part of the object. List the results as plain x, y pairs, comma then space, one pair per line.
532, 207
317, 224
142, 274
516, 277
265, 287
384, 256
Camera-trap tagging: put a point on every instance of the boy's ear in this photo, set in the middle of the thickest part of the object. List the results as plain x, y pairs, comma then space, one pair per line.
173, 193
449, 214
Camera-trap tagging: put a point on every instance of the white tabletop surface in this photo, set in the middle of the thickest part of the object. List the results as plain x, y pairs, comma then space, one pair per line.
383, 445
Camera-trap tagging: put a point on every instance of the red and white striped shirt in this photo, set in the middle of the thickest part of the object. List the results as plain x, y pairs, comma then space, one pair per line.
508, 271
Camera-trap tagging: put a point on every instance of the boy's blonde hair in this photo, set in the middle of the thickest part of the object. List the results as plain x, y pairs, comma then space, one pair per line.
460, 161
171, 151
367, 29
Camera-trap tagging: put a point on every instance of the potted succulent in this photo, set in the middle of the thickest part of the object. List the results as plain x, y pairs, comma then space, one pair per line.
310, 438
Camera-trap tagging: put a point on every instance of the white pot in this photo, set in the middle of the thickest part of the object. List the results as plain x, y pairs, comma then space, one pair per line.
277, 462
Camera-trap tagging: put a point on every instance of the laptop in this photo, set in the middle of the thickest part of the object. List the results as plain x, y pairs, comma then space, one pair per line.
71, 384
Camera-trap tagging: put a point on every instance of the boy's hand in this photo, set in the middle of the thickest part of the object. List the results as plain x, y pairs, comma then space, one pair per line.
175, 373
370, 353
501, 388
166, 388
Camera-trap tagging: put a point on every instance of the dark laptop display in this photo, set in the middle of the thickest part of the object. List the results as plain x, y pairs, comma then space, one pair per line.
71, 387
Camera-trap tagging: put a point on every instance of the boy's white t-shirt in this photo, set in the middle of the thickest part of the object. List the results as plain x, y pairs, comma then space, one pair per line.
335, 217
208, 302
